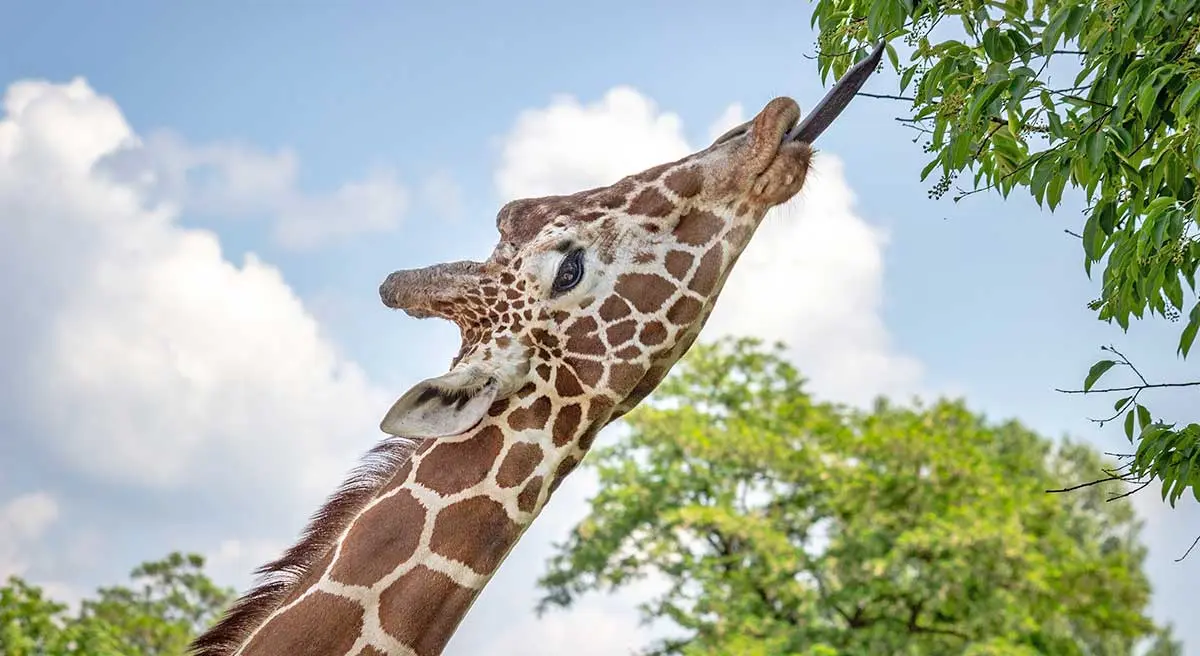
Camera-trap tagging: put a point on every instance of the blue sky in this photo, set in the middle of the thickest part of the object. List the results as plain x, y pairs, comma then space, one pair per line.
386, 135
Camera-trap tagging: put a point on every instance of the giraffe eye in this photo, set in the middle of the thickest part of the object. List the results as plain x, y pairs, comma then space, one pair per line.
570, 272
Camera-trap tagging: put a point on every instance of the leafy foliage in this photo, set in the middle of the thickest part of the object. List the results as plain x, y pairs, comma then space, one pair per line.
170, 602
784, 526
1125, 132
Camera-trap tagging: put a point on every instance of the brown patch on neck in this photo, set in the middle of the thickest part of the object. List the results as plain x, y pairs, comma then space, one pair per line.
423, 608
452, 467
476, 532
378, 542
299, 632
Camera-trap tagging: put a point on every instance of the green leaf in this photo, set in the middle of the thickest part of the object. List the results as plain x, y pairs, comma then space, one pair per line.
1129, 425
1096, 144
1121, 402
906, 77
997, 46
1096, 372
1189, 332
1143, 416
1091, 235
1189, 98
1054, 190
1054, 124
929, 168
1047, 101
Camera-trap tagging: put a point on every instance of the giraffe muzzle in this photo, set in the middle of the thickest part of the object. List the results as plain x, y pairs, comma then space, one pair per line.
831, 106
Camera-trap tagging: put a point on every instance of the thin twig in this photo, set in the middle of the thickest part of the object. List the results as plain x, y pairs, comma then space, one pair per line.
1089, 484
1125, 361
1129, 492
884, 96
1185, 554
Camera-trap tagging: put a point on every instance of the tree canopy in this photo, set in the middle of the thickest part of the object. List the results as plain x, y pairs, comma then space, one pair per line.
781, 525
1050, 95
170, 601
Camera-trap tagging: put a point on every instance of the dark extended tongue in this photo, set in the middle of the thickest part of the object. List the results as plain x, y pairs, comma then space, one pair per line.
836, 100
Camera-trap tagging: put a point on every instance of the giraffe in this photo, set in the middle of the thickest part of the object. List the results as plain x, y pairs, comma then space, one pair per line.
578, 314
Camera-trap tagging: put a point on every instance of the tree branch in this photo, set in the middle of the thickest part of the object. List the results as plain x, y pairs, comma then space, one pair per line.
1130, 388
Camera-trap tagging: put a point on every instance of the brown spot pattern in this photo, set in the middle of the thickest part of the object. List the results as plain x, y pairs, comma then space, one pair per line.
685, 182
566, 383
566, 423
452, 467
679, 263
698, 227
622, 377
421, 609
653, 333
520, 462
581, 337
534, 416
302, 630
589, 371
646, 291
614, 308
476, 532
684, 311
380, 540
527, 499
629, 352
705, 278
622, 332
651, 202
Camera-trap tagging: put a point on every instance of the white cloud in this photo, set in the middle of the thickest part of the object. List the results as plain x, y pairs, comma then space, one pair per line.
141, 356
568, 146
442, 194
23, 521
828, 259
236, 180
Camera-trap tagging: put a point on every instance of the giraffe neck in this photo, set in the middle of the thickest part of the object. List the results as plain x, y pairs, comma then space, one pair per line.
411, 563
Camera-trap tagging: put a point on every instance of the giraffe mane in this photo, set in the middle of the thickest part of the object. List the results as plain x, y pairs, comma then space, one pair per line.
276, 579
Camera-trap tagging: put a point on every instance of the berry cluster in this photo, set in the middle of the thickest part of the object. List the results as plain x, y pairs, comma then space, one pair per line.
943, 185
919, 29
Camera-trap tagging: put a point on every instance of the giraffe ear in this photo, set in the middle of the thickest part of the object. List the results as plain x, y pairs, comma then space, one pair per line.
439, 407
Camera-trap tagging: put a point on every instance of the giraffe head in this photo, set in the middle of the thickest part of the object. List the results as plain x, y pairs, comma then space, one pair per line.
598, 293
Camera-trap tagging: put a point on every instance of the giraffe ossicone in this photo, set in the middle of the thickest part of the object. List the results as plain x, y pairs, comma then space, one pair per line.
578, 314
